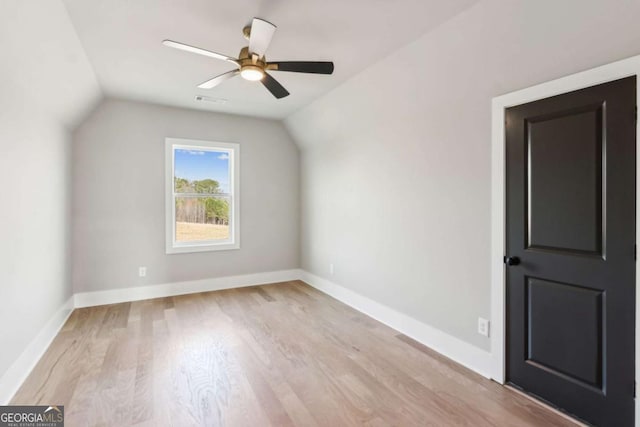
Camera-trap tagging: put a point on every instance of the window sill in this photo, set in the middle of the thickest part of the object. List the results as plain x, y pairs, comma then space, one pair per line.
186, 249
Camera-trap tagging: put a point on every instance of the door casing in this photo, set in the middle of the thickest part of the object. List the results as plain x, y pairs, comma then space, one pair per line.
603, 74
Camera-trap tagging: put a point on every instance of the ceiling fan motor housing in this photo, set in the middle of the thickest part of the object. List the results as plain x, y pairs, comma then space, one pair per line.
251, 64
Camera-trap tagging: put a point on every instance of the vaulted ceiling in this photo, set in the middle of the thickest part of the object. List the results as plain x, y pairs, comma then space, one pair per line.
44, 69
122, 41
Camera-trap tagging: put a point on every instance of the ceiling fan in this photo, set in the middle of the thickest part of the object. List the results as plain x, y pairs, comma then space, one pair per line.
251, 63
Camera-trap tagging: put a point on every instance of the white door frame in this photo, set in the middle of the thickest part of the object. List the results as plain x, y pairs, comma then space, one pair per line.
617, 70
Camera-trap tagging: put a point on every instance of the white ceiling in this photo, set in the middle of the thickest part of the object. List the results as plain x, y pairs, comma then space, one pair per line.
122, 39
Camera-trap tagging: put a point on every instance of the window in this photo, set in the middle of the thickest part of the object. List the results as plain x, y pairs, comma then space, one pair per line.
201, 196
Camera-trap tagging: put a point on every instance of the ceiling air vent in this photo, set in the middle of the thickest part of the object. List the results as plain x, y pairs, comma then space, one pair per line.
210, 99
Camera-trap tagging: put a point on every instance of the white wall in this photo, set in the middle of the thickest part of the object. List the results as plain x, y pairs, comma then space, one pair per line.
34, 225
396, 162
119, 218
46, 84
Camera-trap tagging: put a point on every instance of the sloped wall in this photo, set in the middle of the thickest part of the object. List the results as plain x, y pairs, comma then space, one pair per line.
396, 162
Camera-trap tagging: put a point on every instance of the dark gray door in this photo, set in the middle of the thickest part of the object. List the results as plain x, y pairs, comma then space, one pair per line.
571, 251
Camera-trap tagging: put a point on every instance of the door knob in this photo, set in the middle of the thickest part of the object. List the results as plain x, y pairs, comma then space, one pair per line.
511, 260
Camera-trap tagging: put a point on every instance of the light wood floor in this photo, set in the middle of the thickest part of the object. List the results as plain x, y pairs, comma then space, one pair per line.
282, 354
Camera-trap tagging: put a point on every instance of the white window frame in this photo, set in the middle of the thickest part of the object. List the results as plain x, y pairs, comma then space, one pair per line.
233, 242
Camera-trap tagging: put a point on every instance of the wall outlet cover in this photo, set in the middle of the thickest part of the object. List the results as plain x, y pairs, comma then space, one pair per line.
483, 326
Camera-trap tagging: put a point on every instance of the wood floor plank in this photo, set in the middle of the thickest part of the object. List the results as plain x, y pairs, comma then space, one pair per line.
280, 354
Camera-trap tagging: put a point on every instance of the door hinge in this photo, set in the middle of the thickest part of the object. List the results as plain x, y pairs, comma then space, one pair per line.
636, 114
635, 252
635, 387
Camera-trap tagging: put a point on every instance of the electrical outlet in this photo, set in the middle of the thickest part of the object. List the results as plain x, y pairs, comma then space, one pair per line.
483, 326
142, 271
331, 269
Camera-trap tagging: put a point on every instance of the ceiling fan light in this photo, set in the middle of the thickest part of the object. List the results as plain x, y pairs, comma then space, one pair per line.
252, 73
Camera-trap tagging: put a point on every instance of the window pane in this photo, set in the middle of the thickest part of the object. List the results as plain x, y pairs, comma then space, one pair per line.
201, 171
201, 218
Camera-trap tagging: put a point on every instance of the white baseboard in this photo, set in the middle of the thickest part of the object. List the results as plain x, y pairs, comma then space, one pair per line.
114, 296
13, 378
22, 367
459, 351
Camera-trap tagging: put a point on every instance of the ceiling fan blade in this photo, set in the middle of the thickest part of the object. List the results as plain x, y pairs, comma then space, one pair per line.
218, 79
274, 87
261, 35
315, 67
192, 49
